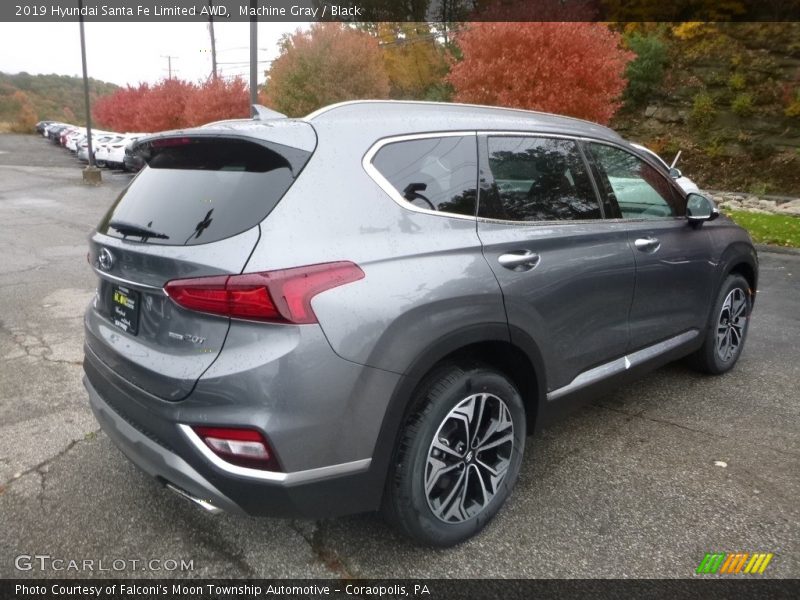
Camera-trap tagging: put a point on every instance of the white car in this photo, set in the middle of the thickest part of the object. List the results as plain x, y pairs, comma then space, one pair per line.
73, 139
83, 145
116, 150
687, 185
103, 149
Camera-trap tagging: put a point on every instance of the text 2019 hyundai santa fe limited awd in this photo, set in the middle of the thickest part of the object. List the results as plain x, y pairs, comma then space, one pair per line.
372, 307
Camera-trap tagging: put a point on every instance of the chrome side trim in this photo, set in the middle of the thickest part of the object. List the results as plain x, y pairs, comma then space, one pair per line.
133, 284
390, 190
621, 364
286, 479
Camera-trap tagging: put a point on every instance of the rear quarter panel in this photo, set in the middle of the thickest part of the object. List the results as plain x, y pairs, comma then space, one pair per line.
425, 276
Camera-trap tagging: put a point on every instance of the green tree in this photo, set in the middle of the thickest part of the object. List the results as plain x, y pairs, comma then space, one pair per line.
645, 72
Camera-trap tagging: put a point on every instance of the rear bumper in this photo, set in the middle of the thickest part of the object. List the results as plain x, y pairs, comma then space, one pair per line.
154, 459
154, 435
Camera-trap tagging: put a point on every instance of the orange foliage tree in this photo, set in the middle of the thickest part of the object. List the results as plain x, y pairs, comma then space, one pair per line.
329, 62
172, 104
120, 111
216, 100
163, 106
571, 68
26, 115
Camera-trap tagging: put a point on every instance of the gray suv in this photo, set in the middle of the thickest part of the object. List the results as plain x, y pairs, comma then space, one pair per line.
372, 307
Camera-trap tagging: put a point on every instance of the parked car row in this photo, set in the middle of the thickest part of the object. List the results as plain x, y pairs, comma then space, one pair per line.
109, 147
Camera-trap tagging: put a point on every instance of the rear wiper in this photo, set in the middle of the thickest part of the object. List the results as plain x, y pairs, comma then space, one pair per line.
127, 229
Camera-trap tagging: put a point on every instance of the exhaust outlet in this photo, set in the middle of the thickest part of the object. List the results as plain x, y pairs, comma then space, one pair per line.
204, 504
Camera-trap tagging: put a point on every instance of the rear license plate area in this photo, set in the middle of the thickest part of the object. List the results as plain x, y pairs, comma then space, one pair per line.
125, 308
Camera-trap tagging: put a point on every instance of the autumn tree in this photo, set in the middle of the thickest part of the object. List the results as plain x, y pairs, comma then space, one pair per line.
120, 111
571, 68
163, 106
172, 104
49, 95
415, 63
329, 62
69, 115
217, 99
26, 115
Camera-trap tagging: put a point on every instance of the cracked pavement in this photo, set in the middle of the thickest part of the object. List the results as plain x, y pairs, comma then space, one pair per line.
625, 487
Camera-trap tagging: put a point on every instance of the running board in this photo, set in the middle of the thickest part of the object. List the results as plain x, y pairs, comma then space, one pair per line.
620, 365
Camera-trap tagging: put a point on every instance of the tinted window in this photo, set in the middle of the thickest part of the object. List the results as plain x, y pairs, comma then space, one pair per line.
433, 173
537, 179
640, 191
197, 191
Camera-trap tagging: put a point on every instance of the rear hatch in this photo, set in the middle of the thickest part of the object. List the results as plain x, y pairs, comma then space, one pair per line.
194, 211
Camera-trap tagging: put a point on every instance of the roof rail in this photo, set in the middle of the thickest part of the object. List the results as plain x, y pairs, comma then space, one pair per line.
262, 113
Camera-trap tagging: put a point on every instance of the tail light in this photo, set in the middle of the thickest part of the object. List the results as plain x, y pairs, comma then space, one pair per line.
243, 447
282, 296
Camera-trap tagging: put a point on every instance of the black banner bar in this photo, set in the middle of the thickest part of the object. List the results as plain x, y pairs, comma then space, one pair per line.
412, 589
397, 10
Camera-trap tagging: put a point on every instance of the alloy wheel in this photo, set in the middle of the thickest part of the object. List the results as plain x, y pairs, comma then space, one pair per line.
469, 457
732, 321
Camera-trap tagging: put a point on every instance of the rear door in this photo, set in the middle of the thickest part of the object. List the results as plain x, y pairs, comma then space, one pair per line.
674, 273
193, 212
567, 275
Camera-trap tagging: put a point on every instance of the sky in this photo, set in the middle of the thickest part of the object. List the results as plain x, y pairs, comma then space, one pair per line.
129, 53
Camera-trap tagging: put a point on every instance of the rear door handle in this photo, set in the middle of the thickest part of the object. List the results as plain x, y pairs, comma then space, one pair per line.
648, 244
519, 260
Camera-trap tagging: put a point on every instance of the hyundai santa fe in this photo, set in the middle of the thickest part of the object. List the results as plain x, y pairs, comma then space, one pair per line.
372, 307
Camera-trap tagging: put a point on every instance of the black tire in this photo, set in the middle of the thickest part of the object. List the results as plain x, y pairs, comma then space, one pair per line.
437, 407
714, 356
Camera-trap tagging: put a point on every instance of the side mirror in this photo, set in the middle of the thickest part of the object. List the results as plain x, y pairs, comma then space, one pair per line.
700, 209
675, 173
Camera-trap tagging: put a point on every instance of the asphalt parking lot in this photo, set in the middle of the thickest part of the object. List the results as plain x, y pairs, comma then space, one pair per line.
629, 486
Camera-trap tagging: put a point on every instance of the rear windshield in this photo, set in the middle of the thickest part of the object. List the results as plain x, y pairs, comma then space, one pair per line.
202, 190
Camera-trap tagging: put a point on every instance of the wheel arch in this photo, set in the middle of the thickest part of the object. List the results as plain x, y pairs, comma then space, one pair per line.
506, 349
741, 259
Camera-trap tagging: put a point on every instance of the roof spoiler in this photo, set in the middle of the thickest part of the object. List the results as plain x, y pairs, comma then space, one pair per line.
262, 113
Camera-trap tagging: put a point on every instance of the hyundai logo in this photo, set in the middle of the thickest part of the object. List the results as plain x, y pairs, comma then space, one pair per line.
105, 259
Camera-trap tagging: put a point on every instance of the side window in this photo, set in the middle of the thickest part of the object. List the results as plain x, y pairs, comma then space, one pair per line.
537, 179
640, 191
438, 174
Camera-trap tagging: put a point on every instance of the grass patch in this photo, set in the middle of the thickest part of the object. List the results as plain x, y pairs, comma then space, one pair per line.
780, 230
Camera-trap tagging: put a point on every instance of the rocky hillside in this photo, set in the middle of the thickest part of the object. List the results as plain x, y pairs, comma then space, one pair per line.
729, 98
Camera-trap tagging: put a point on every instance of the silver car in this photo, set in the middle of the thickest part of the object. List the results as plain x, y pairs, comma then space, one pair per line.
686, 184
372, 307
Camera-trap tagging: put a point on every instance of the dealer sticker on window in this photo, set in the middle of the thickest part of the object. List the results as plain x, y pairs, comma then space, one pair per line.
125, 309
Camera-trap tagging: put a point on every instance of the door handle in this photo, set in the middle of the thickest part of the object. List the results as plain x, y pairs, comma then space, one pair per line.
520, 260
648, 244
